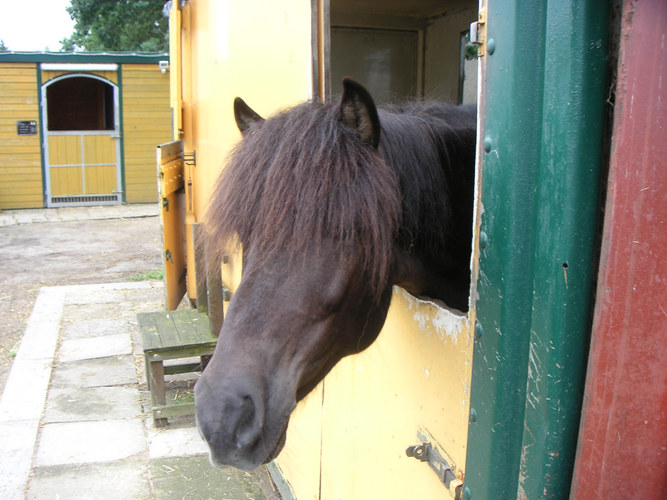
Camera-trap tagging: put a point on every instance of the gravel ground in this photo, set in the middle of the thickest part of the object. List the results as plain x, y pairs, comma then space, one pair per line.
70, 252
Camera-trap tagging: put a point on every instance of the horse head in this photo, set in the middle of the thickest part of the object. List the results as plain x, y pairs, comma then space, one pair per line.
318, 210
304, 300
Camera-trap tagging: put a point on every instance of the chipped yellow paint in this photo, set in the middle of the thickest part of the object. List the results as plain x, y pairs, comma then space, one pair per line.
433, 317
416, 375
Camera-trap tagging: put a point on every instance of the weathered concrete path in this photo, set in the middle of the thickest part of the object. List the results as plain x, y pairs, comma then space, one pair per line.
75, 416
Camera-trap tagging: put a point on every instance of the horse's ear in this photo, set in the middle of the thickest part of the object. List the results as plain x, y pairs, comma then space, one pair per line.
245, 116
359, 112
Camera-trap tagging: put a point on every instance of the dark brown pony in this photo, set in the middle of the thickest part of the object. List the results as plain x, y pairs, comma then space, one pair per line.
333, 204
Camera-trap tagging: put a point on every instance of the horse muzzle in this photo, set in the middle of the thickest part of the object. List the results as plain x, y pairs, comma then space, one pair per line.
232, 418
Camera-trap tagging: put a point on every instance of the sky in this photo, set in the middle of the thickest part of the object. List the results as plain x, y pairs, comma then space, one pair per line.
34, 25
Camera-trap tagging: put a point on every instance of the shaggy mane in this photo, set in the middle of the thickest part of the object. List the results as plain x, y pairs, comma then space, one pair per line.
301, 177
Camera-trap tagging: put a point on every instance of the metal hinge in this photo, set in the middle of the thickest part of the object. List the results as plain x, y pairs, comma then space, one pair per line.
478, 33
430, 452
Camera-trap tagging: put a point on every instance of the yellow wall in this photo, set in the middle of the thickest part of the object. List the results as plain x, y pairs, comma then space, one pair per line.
20, 160
146, 123
259, 50
112, 76
415, 376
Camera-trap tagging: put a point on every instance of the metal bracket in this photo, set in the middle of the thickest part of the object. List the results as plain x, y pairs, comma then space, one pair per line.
430, 452
190, 158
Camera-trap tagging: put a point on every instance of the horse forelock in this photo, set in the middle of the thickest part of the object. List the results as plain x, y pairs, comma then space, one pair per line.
302, 178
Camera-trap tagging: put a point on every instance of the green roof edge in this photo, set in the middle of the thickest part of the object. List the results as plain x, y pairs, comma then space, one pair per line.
84, 57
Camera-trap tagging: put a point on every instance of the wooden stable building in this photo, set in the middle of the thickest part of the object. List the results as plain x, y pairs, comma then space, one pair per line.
548, 385
81, 128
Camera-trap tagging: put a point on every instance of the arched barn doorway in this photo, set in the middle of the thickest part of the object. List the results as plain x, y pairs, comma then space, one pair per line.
82, 147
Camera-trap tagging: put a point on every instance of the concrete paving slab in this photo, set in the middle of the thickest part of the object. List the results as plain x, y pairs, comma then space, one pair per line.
194, 478
39, 340
166, 442
27, 216
84, 442
140, 296
101, 297
49, 304
126, 480
120, 454
41, 334
114, 370
81, 312
95, 327
25, 390
78, 404
95, 347
120, 287
102, 293
38, 215
17, 442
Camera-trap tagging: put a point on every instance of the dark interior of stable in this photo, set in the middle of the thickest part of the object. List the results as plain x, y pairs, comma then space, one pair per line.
80, 103
404, 49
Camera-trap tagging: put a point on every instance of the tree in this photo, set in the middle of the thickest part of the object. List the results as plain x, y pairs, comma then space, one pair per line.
118, 25
3, 47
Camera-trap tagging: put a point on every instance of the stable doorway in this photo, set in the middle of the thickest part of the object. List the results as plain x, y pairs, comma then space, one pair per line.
82, 141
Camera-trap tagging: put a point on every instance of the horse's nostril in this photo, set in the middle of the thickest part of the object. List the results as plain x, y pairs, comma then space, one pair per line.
248, 424
231, 417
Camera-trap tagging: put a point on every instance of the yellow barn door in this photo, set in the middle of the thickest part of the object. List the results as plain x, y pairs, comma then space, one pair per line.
82, 146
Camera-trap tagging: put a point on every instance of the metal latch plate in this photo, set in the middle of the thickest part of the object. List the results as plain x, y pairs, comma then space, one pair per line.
429, 451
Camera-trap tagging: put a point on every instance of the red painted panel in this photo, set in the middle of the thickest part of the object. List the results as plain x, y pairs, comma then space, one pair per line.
622, 449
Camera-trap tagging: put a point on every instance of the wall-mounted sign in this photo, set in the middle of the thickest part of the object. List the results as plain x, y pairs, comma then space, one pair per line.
26, 127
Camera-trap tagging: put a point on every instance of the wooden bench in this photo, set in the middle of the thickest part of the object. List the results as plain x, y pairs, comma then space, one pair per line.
170, 335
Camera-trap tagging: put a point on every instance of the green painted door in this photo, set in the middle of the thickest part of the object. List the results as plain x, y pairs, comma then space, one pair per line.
543, 129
